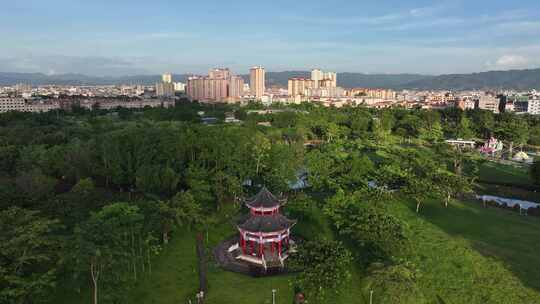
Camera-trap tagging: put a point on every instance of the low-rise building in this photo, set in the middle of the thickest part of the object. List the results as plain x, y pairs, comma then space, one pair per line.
534, 106
465, 104
386, 94
489, 103
108, 104
23, 105
527, 106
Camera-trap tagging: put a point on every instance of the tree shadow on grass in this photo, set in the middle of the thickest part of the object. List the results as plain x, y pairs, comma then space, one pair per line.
496, 233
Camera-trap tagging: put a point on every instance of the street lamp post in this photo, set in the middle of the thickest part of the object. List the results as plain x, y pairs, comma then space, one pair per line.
200, 297
274, 296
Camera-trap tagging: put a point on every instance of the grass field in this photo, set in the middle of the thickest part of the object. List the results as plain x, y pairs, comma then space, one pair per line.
506, 174
508, 191
175, 278
506, 181
464, 253
468, 254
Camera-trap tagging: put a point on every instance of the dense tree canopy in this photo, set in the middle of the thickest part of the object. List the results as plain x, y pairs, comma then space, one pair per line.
364, 217
29, 256
325, 268
64, 174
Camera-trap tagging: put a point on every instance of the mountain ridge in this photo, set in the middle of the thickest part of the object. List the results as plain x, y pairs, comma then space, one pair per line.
510, 79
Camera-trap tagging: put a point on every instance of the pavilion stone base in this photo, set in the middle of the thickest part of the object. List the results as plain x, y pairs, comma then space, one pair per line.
229, 256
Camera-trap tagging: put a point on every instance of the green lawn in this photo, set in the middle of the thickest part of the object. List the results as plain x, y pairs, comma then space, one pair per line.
507, 174
508, 191
506, 181
465, 254
468, 254
175, 278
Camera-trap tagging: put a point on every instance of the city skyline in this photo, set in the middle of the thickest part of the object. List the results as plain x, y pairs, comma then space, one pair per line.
127, 38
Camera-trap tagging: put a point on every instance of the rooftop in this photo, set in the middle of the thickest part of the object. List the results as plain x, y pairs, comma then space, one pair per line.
264, 199
271, 223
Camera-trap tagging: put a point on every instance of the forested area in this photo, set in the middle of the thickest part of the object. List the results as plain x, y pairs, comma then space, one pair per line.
90, 199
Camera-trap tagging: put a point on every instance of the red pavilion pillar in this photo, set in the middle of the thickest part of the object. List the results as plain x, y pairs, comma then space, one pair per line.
279, 248
243, 243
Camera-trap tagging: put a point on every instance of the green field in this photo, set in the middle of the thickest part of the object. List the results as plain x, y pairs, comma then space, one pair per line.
469, 254
466, 254
506, 181
175, 277
506, 174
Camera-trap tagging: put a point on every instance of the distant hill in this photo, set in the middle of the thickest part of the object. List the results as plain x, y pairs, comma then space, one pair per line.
513, 79
348, 80
77, 79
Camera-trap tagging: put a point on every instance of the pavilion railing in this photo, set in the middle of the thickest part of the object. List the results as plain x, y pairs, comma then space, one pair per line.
263, 261
233, 247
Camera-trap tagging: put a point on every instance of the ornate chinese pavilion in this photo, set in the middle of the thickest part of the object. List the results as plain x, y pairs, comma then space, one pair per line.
264, 233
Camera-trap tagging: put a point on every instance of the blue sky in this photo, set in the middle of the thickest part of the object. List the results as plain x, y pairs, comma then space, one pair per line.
120, 37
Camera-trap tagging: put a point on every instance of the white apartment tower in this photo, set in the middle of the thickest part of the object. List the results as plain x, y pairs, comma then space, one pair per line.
330, 78
323, 79
166, 78
164, 89
317, 75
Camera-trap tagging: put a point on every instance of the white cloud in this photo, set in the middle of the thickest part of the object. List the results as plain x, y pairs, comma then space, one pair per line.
509, 62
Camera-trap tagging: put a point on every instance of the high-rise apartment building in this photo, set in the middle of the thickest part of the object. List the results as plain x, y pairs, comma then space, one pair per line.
220, 73
317, 75
179, 87
220, 85
329, 79
236, 87
166, 78
257, 81
323, 79
298, 86
164, 89
326, 81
